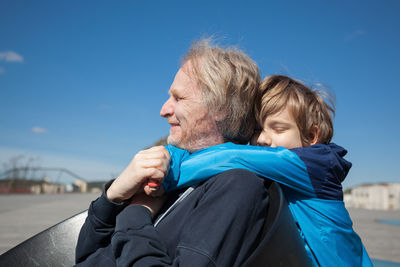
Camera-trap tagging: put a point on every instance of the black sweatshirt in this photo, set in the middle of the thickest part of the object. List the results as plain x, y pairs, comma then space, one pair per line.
218, 224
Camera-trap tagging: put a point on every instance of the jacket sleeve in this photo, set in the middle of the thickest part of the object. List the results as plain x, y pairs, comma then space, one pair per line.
222, 227
278, 164
99, 226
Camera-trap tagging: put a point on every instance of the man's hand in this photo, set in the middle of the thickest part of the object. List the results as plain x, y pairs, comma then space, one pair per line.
154, 204
148, 165
154, 191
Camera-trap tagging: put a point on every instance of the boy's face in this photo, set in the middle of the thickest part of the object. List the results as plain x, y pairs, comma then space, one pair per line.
279, 129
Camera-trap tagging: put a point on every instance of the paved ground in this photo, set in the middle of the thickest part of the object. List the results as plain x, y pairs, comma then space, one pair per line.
22, 216
381, 240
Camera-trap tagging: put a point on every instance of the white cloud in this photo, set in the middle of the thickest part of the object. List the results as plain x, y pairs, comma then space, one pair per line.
11, 56
39, 130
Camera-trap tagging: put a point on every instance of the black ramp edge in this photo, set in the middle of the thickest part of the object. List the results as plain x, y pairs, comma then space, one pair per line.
54, 246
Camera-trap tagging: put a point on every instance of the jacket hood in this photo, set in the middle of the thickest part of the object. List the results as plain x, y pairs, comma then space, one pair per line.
326, 168
340, 166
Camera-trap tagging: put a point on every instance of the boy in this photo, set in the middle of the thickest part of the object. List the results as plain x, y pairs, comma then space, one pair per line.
297, 153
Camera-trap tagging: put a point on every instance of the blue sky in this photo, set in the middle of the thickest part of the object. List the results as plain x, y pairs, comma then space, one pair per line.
82, 82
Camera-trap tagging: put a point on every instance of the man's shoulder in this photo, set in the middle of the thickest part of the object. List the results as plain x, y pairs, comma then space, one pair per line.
239, 176
236, 182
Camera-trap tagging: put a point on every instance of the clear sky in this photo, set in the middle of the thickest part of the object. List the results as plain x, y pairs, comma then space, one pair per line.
82, 82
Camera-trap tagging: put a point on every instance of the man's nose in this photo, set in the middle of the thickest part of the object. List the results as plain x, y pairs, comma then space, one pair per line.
264, 139
167, 109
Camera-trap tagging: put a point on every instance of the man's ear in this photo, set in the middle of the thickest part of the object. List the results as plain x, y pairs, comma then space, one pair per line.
314, 132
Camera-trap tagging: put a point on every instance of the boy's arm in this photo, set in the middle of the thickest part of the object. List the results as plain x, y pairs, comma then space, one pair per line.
278, 164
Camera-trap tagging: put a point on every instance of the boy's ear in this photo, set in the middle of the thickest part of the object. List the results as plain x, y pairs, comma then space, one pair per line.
314, 135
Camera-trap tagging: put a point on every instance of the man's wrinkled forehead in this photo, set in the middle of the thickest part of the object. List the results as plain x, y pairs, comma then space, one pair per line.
190, 68
184, 85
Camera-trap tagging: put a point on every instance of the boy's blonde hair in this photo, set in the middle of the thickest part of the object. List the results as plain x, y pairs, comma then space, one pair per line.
307, 107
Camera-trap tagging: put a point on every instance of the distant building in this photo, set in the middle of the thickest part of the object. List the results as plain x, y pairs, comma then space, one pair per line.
16, 181
46, 187
81, 186
383, 196
30, 186
95, 186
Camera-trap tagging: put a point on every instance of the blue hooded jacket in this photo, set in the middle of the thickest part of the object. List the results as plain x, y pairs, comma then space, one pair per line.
311, 178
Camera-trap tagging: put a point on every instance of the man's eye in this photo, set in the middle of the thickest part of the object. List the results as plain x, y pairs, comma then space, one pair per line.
279, 129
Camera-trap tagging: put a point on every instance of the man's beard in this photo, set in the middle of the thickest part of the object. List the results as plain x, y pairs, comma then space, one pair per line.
190, 143
199, 137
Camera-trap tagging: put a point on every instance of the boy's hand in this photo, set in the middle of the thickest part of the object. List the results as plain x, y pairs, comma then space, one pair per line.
148, 165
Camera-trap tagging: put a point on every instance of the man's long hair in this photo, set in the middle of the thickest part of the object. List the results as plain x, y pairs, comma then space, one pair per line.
229, 81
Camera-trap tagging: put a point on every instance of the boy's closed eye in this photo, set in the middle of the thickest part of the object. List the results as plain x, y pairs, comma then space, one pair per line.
280, 130
280, 127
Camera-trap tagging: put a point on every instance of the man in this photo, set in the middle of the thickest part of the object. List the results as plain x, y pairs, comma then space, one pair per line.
220, 221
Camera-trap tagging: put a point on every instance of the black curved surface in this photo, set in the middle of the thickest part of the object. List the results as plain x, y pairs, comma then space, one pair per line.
54, 246
281, 244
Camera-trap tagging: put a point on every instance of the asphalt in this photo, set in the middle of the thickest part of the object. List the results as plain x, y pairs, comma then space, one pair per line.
381, 240
22, 216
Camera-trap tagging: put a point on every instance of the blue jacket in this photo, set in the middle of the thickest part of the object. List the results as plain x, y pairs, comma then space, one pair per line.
311, 179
